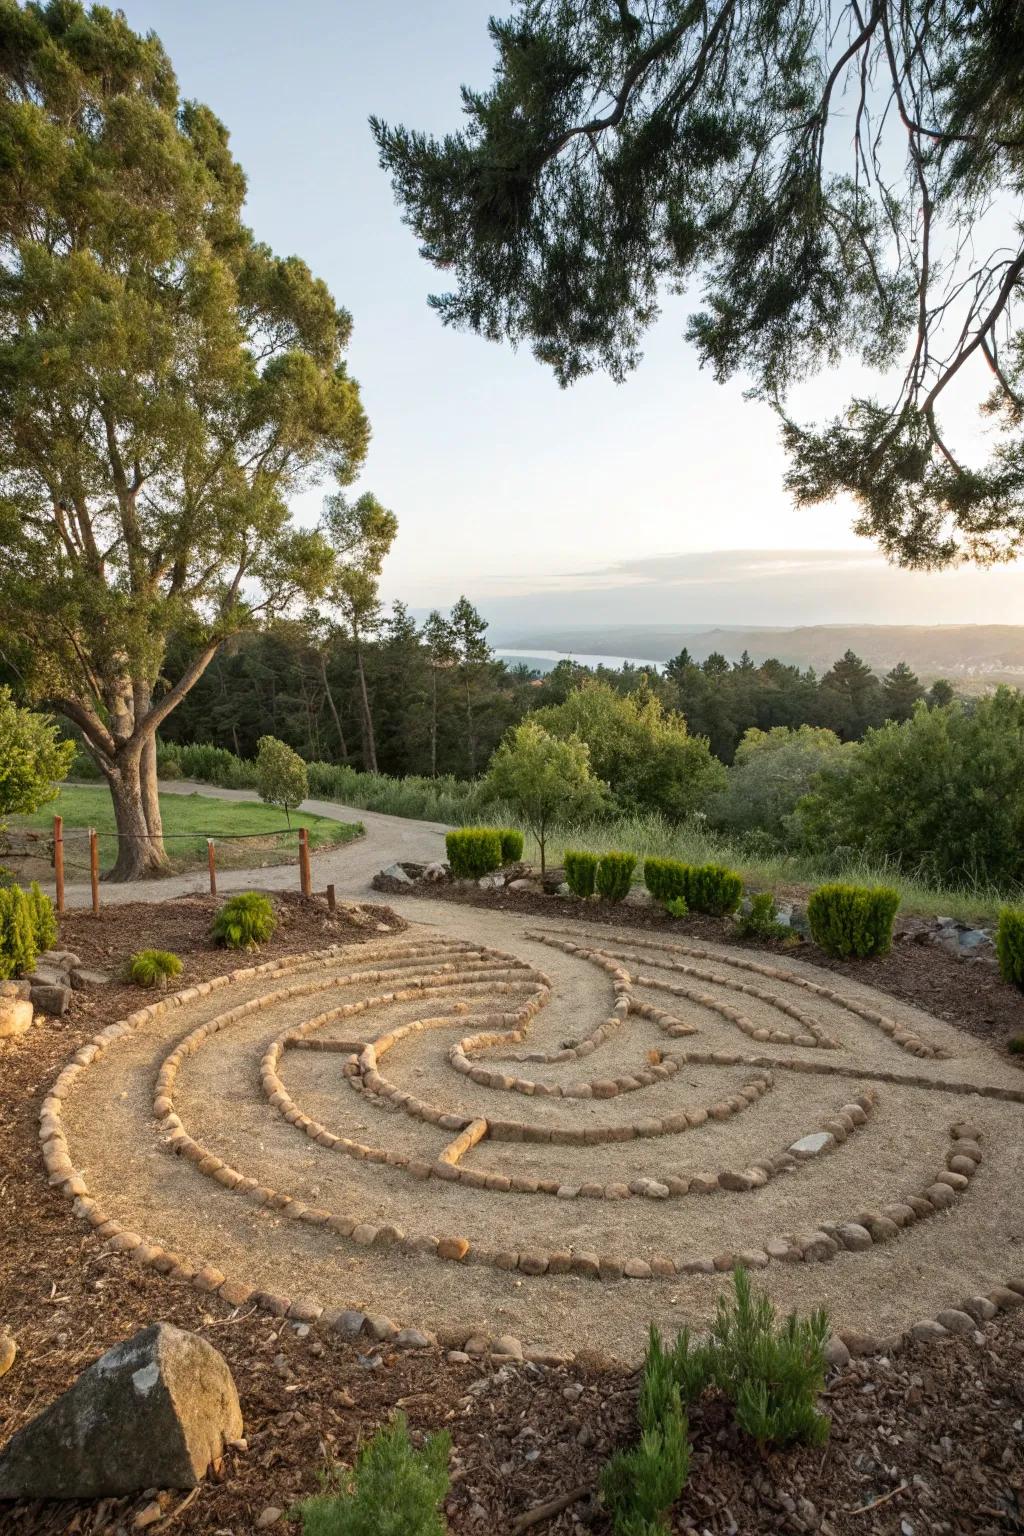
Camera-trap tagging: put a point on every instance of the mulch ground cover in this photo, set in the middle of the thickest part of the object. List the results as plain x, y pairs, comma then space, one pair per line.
967, 992
931, 1440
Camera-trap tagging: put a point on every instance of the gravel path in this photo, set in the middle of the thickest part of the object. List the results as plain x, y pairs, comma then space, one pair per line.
349, 868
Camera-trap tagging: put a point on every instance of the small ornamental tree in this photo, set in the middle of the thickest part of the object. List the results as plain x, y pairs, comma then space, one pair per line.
544, 779
32, 759
281, 777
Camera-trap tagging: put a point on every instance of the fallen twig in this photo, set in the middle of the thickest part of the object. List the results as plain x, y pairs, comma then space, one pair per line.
882, 1499
541, 1512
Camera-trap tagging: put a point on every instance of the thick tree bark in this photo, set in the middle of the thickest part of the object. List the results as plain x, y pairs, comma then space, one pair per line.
471, 732
149, 787
138, 856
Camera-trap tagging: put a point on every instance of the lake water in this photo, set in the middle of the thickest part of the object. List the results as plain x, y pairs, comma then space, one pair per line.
584, 658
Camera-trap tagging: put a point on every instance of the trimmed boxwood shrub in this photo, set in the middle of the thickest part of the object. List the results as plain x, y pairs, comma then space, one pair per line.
580, 871
666, 879
853, 920
713, 889
1010, 946
473, 851
615, 875
708, 888
511, 844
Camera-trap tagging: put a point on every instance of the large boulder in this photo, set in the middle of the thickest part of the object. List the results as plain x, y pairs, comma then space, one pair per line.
153, 1412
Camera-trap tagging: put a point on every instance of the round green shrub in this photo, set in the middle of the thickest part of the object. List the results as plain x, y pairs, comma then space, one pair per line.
245, 921
853, 920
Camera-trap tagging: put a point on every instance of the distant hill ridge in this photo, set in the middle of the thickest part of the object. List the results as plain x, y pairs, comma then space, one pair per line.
989, 653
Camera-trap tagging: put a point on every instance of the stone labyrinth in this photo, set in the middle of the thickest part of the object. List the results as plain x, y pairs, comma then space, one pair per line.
560, 1139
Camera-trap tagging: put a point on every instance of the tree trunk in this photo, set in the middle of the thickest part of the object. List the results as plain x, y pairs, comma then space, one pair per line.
433, 722
137, 856
369, 745
148, 785
471, 735
333, 708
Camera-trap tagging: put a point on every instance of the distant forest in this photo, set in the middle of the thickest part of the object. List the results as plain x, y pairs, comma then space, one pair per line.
434, 699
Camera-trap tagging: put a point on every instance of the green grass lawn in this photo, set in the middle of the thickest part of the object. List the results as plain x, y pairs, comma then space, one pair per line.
246, 833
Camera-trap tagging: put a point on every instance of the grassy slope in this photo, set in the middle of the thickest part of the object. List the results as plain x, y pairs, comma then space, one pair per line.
785, 874
188, 821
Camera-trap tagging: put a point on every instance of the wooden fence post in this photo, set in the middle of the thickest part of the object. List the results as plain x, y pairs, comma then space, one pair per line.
94, 870
305, 873
332, 900
212, 862
58, 861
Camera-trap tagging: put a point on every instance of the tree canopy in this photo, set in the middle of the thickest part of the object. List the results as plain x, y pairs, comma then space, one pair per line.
825, 178
166, 383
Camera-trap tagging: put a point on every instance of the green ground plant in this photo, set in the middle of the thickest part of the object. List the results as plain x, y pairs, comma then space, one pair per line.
393, 1489
244, 921
640, 1485
1010, 946
615, 875
27, 927
153, 967
580, 871
853, 921
473, 851
760, 922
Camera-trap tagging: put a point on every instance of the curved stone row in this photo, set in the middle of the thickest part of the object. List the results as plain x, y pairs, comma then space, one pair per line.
811, 1035
907, 1040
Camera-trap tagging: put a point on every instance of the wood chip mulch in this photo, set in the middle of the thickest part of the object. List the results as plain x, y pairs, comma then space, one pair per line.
929, 1441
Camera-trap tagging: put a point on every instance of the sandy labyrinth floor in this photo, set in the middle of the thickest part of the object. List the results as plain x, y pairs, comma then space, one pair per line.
560, 1134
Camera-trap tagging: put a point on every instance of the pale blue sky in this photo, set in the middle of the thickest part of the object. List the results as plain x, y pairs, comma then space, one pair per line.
501, 481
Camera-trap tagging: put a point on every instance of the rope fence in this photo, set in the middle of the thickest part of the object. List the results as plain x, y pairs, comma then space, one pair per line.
53, 848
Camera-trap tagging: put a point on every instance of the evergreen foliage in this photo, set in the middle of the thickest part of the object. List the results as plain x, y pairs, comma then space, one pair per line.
167, 383
473, 851
27, 927
393, 1489
759, 922
852, 920
804, 171
615, 875
511, 844
640, 1485
771, 1374
580, 871
281, 777
244, 921
1010, 946
153, 967
707, 888
32, 759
